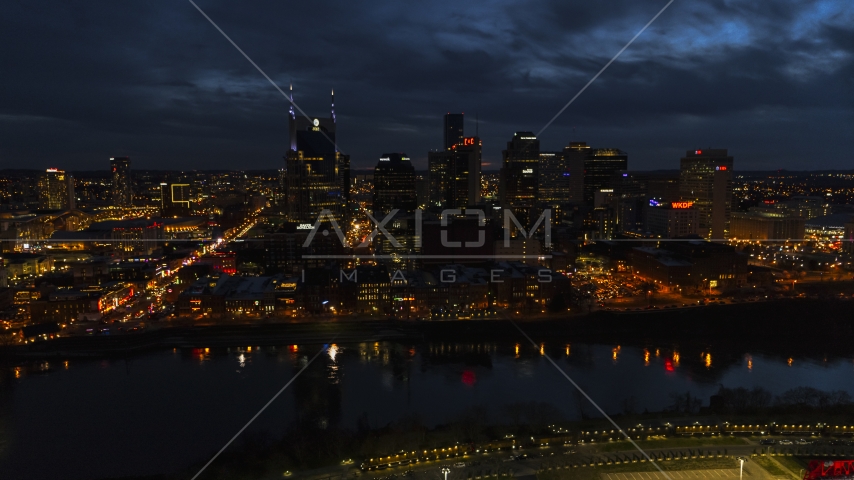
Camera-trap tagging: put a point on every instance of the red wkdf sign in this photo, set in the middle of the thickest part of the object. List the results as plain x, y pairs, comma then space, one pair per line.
681, 204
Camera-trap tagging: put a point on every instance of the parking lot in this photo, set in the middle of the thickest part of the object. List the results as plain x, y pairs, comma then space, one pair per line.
674, 475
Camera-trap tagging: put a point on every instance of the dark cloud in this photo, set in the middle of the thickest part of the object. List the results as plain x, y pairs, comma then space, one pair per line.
84, 81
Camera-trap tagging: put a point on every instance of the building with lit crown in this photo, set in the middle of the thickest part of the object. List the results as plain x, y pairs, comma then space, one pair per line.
55, 190
316, 174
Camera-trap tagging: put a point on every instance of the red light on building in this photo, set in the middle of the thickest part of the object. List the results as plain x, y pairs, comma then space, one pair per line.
698, 152
721, 168
681, 205
468, 141
828, 469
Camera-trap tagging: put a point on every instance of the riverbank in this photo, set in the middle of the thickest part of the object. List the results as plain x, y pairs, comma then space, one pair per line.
782, 326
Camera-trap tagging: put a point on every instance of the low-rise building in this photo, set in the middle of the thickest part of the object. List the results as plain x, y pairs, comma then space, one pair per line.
672, 219
763, 225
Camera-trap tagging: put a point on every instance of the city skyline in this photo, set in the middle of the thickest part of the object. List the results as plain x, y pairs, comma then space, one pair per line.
190, 101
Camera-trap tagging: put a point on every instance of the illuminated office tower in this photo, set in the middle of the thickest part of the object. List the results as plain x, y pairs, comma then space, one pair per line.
316, 173
122, 188
394, 185
53, 190
437, 176
600, 165
554, 179
464, 163
175, 199
520, 173
629, 201
454, 127
574, 155
705, 178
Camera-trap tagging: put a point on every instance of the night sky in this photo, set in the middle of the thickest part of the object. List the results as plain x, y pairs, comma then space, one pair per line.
772, 81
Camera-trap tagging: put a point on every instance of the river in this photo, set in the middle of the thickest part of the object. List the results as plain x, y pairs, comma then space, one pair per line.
160, 412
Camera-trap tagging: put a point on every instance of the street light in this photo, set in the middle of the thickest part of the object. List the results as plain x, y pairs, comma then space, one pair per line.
741, 461
446, 471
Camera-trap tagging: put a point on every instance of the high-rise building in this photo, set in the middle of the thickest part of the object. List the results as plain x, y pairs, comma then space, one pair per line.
175, 199
574, 155
317, 175
663, 188
630, 196
438, 170
705, 178
520, 173
122, 187
394, 185
53, 190
454, 127
600, 165
554, 179
464, 162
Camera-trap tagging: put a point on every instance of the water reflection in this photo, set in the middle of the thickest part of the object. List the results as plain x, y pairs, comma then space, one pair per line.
366, 385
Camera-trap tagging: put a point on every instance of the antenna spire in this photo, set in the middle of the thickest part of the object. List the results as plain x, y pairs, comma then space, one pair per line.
291, 111
333, 105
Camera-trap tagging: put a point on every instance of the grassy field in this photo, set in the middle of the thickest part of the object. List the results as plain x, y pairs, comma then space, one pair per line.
707, 443
795, 464
770, 466
594, 473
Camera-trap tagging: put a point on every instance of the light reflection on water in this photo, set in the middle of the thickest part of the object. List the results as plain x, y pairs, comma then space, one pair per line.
91, 416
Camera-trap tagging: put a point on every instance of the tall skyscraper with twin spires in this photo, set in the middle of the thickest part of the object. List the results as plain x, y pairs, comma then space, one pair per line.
316, 174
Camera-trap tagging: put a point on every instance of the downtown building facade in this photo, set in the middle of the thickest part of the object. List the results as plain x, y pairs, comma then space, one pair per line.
671, 219
56, 190
520, 175
316, 176
760, 224
122, 183
600, 167
454, 173
705, 178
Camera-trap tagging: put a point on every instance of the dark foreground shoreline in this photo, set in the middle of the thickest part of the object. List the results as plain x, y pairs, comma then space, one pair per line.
795, 326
